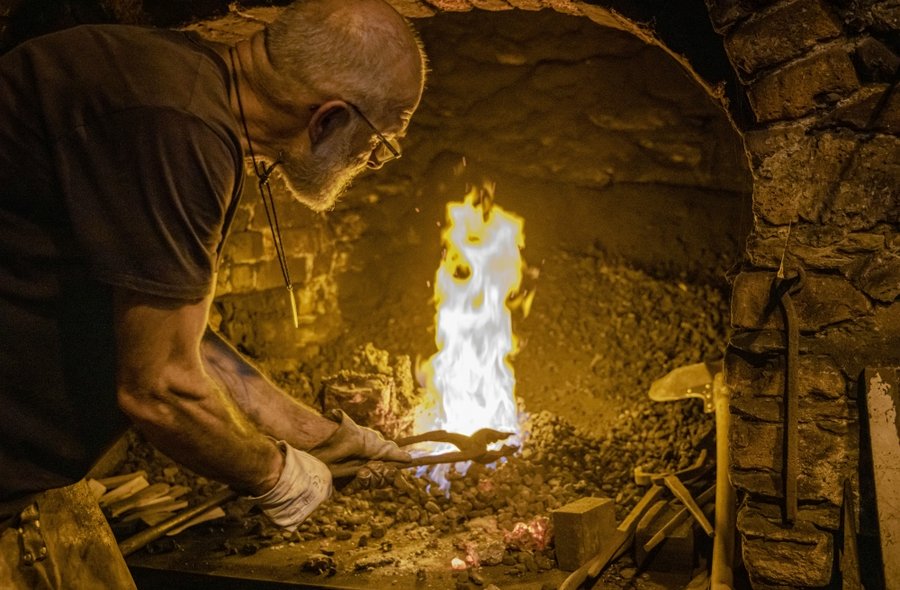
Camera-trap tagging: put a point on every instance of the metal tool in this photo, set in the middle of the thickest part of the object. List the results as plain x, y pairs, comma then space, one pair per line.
697, 380
696, 470
473, 447
782, 288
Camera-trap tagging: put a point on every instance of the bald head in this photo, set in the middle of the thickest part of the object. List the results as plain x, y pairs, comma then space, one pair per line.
362, 51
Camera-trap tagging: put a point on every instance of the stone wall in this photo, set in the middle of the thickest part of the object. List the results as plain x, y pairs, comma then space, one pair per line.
821, 79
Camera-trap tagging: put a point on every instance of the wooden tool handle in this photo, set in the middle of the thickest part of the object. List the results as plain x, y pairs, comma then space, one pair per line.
133, 543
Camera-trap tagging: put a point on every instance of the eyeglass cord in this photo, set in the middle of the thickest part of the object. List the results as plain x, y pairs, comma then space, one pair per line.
262, 174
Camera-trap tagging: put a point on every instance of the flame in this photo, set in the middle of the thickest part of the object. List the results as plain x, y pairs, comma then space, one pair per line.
469, 383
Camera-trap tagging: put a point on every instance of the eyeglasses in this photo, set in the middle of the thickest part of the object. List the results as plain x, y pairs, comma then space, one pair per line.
385, 151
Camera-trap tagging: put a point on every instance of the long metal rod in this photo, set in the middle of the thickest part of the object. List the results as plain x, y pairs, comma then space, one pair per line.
791, 463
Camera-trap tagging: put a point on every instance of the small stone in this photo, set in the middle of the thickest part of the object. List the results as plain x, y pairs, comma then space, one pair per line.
320, 564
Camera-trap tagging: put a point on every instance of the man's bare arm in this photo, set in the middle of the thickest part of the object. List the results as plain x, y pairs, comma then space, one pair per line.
163, 387
269, 407
278, 414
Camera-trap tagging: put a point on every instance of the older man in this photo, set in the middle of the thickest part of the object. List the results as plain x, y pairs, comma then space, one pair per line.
121, 162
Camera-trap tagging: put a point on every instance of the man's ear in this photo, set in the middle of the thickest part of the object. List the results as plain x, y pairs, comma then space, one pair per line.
326, 119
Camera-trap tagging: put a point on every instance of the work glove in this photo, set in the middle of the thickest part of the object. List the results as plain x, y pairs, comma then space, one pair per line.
352, 443
305, 482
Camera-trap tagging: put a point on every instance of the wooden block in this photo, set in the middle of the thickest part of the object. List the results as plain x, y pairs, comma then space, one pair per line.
580, 530
883, 408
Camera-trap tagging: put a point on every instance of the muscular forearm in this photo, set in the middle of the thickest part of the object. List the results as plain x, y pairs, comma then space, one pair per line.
193, 422
163, 388
269, 408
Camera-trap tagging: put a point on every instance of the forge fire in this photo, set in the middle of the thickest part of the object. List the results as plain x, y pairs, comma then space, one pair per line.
688, 379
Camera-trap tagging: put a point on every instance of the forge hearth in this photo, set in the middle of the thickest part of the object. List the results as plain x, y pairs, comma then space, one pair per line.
408, 533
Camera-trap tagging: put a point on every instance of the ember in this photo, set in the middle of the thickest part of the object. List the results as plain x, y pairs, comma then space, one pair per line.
534, 535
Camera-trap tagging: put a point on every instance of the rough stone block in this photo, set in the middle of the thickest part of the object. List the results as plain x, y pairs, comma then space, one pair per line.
832, 178
759, 342
810, 245
879, 276
875, 62
822, 301
826, 450
493, 5
452, 5
870, 109
793, 171
780, 35
724, 13
803, 86
245, 247
798, 556
305, 240
871, 341
269, 275
867, 188
580, 529
243, 278
527, 4
751, 376
772, 409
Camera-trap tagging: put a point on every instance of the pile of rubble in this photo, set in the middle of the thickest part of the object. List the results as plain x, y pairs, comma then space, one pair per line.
502, 510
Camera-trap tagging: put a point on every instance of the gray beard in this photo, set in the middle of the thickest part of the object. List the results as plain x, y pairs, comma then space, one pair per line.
320, 179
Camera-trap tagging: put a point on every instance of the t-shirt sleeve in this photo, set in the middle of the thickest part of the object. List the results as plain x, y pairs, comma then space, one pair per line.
147, 191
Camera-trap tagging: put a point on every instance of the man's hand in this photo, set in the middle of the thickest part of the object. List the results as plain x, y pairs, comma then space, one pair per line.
304, 484
351, 441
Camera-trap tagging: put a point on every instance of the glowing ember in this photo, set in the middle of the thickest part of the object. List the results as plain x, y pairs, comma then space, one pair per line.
469, 382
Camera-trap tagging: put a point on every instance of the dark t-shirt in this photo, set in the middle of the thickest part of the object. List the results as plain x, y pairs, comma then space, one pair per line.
120, 164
